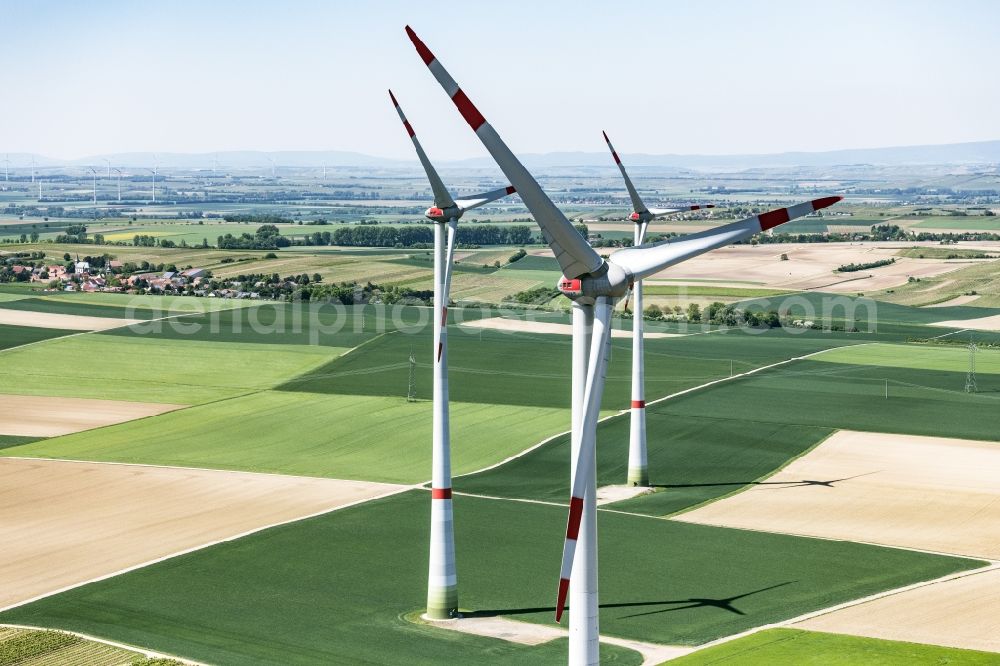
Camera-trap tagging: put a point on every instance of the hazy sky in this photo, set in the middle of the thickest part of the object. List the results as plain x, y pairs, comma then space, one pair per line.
661, 77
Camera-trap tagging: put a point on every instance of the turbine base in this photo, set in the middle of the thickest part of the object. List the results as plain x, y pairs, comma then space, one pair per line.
442, 603
638, 477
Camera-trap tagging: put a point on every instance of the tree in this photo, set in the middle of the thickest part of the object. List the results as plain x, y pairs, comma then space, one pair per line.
652, 311
694, 312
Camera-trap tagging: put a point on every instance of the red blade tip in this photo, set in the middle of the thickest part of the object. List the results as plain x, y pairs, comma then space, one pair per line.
425, 53
824, 202
605, 136
393, 98
561, 600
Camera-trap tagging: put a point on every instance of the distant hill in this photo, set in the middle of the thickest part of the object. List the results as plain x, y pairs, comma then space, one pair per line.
979, 152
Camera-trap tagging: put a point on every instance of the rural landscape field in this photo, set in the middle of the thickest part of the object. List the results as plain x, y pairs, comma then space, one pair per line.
268, 406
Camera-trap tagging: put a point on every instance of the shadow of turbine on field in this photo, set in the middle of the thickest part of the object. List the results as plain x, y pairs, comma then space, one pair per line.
778, 485
722, 603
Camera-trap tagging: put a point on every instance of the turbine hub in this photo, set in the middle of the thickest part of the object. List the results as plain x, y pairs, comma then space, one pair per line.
609, 280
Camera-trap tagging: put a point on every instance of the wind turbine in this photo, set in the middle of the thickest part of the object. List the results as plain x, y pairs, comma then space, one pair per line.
268, 158
638, 474
6, 166
442, 581
109, 167
119, 184
94, 171
594, 284
153, 170
32, 168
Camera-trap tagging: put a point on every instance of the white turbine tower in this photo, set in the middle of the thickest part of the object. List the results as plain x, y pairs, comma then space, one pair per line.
442, 581
268, 158
109, 167
94, 171
119, 184
638, 469
32, 168
594, 285
6, 166
153, 170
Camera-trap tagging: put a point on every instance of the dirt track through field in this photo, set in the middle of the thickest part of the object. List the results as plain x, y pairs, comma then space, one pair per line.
961, 612
929, 493
64, 523
44, 416
65, 322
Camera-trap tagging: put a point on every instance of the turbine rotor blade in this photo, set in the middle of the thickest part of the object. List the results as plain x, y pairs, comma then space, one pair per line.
657, 212
637, 205
596, 371
442, 199
477, 200
575, 256
645, 260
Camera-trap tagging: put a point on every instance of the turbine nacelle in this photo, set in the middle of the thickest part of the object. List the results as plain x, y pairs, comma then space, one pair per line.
437, 214
610, 280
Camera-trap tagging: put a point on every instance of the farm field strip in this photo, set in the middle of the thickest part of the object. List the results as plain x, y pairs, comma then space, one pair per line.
959, 612
355, 437
39, 416
796, 646
928, 493
71, 523
61, 321
153, 369
991, 323
926, 357
38, 647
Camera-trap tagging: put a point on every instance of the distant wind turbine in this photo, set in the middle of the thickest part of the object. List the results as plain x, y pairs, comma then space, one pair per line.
155, 167
93, 171
32, 169
6, 165
109, 167
268, 158
119, 184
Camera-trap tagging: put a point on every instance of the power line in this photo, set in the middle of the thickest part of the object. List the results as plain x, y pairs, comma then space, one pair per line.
411, 391
970, 377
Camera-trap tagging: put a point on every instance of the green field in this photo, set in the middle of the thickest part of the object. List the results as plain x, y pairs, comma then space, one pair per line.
811, 648
947, 252
839, 308
314, 591
348, 437
15, 336
841, 395
691, 461
79, 308
7, 441
960, 222
153, 370
947, 358
486, 366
